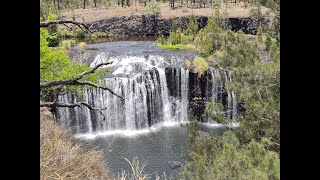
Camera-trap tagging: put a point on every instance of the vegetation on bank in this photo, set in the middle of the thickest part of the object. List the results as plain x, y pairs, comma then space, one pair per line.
253, 150
61, 157
55, 65
226, 158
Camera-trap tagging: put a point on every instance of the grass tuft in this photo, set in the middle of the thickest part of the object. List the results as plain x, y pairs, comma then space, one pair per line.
61, 157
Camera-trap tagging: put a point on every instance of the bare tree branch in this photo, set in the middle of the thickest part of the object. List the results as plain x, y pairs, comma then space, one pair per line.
98, 86
57, 104
79, 24
75, 81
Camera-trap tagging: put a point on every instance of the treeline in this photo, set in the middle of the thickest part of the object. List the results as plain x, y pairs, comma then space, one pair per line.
56, 6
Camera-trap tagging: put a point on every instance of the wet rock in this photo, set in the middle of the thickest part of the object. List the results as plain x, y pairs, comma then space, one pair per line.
175, 164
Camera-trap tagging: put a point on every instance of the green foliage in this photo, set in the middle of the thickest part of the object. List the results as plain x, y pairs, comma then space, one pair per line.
258, 86
52, 34
161, 40
216, 113
98, 34
66, 44
259, 35
275, 28
268, 43
51, 17
208, 39
193, 28
187, 63
176, 37
47, 8
200, 66
178, 46
238, 51
252, 151
152, 8
275, 52
56, 65
225, 158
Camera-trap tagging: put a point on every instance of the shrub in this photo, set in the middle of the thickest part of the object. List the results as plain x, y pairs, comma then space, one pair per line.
225, 158
193, 28
187, 63
152, 8
66, 44
161, 40
200, 66
208, 39
81, 45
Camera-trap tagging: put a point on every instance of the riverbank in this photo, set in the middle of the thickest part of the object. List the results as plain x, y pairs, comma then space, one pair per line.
62, 157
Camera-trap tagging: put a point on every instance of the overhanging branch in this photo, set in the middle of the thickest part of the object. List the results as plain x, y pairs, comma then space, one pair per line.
55, 104
75, 81
79, 24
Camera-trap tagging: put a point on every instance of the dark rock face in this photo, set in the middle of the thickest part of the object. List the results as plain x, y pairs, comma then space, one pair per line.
175, 164
153, 26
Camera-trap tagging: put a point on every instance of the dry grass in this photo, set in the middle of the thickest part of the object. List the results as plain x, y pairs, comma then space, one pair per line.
61, 157
90, 15
138, 173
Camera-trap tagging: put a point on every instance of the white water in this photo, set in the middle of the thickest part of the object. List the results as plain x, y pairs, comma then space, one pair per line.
148, 103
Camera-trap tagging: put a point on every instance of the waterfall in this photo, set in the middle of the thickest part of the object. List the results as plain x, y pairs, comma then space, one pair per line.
219, 91
154, 89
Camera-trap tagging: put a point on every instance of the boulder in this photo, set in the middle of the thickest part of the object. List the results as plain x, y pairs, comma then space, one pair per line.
175, 164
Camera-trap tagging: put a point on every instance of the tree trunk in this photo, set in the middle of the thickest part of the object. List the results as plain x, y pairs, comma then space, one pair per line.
128, 4
95, 3
58, 4
54, 2
84, 4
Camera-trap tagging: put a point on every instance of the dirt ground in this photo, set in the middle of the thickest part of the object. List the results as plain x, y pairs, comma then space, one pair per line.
95, 14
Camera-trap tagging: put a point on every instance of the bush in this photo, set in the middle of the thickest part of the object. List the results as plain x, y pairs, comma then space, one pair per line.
225, 158
208, 39
66, 44
259, 35
161, 40
153, 8
175, 37
193, 28
187, 63
200, 66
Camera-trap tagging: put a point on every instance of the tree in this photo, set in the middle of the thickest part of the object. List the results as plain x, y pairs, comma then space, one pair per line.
84, 4
95, 3
208, 39
58, 74
193, 27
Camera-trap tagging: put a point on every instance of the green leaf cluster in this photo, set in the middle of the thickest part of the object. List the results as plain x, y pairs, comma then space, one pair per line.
55, 64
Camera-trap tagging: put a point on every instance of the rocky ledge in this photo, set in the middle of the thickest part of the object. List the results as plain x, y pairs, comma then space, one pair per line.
153, 26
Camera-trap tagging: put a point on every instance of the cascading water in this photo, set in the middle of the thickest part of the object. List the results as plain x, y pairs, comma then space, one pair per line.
155, 89
142, 82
